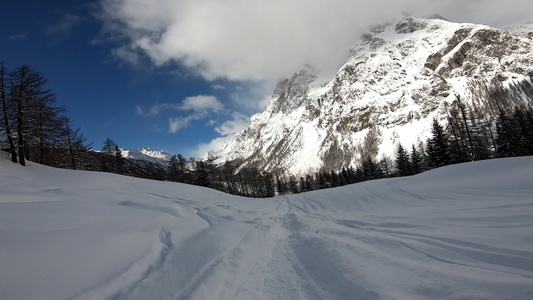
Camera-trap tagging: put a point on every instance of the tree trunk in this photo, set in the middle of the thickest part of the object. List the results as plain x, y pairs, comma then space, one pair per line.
71, 152
20, 120
12, 148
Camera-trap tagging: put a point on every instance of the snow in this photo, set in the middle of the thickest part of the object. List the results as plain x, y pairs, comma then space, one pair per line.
459, 232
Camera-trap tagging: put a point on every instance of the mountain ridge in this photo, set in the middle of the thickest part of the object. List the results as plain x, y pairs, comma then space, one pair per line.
398, 78
147, 154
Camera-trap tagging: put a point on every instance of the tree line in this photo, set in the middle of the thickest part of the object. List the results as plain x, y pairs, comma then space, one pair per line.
33, 128
470, 133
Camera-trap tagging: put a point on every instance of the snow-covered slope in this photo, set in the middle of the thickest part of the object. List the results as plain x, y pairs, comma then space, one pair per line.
459, 232
146, 154
399, 77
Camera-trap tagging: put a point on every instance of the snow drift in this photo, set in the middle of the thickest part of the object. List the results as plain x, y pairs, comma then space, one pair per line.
459, 232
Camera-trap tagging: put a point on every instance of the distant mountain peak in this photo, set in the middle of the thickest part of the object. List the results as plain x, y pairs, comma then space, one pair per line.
290, 93
147, 154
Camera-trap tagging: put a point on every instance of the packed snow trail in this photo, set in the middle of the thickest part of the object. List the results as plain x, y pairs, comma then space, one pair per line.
460, 232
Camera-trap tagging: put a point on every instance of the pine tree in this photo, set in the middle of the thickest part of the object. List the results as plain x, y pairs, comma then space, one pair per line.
280, 185
528, 130
293, 185
402, 162
524, 121
320, 181
416, 160
345, 177
202, 174
508, 136
119, 161
302, 184
371, 170
309, 183
335, 182
173, 168
438, 153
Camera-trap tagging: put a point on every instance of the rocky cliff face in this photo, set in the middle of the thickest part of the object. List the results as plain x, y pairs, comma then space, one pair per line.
398, 78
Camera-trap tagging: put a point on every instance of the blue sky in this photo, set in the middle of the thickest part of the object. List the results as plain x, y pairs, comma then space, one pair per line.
183, 75
108, 97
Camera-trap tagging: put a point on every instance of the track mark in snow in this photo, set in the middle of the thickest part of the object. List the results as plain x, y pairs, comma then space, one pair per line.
304, 267
502, 260
204, 217
226, 260
138, 205
120, 286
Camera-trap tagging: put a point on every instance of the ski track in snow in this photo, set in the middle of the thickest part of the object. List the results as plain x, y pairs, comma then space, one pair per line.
461, 232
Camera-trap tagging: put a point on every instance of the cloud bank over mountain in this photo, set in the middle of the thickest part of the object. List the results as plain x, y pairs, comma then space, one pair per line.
265, 40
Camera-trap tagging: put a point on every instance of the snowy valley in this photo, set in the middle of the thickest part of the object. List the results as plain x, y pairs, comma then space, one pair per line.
458, 232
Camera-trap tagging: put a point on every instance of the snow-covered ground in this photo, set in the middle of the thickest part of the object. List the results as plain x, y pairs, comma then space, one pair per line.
460, 232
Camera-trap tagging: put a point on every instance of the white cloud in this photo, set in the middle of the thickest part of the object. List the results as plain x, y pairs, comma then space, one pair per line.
201, 106
202, 103
154, 110
264, 102
237, 124
226, 130
125, 53
490, 12
252, 97
175, 124
244, 39
217, 87
215, 146
266, 39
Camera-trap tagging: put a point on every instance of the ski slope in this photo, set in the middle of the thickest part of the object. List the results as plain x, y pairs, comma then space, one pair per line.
459, 232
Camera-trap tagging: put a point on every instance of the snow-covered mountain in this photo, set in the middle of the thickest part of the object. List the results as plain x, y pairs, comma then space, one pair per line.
398, 78
146, 154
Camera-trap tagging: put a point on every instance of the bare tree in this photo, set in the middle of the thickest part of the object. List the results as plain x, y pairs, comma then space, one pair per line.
109, 146
37, 121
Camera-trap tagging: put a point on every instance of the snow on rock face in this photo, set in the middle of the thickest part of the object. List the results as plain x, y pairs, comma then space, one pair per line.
398, 78
292, 93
